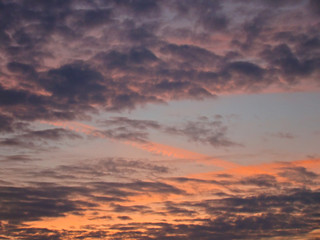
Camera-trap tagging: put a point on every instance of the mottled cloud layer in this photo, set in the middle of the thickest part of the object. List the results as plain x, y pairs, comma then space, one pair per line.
280, 199
203, 130
69, 59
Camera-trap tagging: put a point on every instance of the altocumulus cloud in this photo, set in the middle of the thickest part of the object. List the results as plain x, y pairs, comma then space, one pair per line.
60, 61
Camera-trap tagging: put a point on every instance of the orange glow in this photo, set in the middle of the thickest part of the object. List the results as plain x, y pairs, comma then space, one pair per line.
267, 168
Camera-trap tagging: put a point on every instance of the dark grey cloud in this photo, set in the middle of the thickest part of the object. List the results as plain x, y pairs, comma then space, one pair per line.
286, 211
51, 134
40, 200
115, 55
74, 82
126, 134
229, 221
288, 64
16, 143
88, 170
172, 209
208, 14
12, 97
26, 106
108, 167
23, 233
144, 7
252, 29
18, 159
263, 180
202, 130
246, 68
25, 71
20, 204
226, 226
299, 175
123, 128
186, 179
138, 124
36, 139
129, 209
88, 18
6, 123
124, 217
190, 56
314, 6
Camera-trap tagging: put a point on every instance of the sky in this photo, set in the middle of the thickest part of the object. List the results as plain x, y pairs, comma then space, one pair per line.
159, 120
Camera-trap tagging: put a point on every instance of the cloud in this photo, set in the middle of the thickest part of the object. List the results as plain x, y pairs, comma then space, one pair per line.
114, 167
108, 169
258, 205
127, 133
299, 175
14, 142
6, 123
38, 200
190, 56
138, 124
36, 139
18, 159
261, 180
287, 63
124, 217
32, 233
227, 224
33, 203
63, 61
314, 6
208, 15
283, 135
204, 131
51, 134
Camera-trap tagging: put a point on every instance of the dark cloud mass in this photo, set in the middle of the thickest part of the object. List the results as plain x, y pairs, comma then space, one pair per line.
73, 58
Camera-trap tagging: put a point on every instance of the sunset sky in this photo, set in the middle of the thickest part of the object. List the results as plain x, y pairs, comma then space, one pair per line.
159, 120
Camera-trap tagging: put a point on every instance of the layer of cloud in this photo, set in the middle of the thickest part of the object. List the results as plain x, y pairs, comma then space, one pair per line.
69, 60
37, 139
281, 203
202, 130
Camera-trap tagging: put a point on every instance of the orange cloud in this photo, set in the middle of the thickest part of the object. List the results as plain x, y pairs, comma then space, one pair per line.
266, 168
